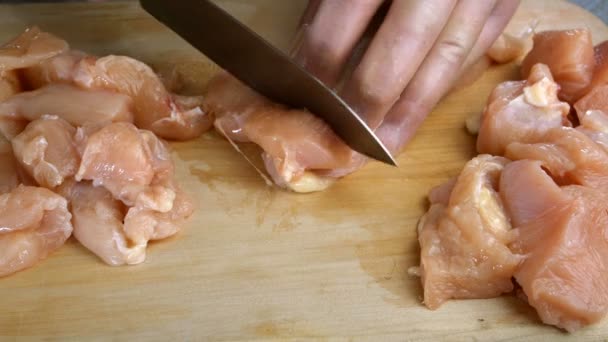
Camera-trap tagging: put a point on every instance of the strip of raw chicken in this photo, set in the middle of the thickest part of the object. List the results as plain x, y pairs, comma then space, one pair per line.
74, 105
46, 149
125, 160
98, 226
132, 198
562, 232
30, 48
521, 111
140, 200
570, 156
34, 222
143, 222
58, 69
169, 116
507, 48
296, 144
463, 242
570, 57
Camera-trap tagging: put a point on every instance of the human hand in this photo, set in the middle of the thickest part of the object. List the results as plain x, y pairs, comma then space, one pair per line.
414, 58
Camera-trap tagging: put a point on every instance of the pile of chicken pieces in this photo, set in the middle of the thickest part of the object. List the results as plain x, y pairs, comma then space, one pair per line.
82, 153
533, 205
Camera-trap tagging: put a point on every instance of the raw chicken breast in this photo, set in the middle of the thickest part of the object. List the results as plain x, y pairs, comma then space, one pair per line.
132, 198
600, 76
569, 155
144, 223
521, 111
507, 48
74, 105
594, 124
441, 193
101, 226
227, 96
137, 198
569, 55
34, 222
562, 233
127, 162
169, 116
600, 52
116, 157
58, 69
46, 149
297, 145
595, 99
463, 243
30, 48
98, 226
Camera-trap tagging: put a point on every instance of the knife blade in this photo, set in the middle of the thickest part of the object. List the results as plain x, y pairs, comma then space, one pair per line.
258, 64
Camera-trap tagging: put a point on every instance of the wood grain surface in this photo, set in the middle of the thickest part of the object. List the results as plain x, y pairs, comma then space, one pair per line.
256, 262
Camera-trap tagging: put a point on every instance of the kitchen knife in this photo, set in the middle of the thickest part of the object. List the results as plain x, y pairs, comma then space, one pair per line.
255, 62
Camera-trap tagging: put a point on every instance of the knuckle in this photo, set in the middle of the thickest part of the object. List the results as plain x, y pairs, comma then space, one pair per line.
372, 92
454, 50
321, 51
322, 61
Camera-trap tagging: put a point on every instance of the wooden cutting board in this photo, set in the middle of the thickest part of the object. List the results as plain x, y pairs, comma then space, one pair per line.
256, 262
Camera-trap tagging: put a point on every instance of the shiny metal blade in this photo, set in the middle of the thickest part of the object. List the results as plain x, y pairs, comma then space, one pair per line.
255, 62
